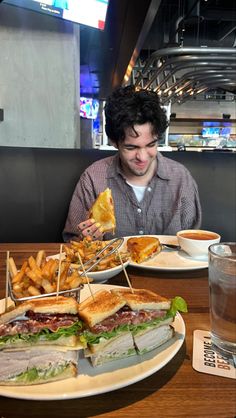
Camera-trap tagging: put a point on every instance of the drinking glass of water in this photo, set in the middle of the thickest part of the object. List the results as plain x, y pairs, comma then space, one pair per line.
222, 285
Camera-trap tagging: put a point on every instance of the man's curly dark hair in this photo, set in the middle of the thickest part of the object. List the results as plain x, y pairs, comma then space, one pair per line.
126, 107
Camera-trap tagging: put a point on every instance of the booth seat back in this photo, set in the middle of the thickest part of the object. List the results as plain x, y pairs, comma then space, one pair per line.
36, 187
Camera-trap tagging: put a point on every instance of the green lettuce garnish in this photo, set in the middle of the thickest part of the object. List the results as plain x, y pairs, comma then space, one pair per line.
177, 304
90, 338
41, 374
44, 334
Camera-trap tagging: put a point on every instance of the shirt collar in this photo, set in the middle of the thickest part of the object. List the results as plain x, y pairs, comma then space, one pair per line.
162, 169
115, 167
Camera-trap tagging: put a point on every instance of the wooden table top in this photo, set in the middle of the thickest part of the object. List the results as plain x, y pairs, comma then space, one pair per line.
177, 390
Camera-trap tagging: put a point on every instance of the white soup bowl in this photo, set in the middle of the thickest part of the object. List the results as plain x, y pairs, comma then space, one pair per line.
196, 242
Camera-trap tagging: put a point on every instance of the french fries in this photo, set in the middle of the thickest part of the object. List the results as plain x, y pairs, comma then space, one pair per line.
38, 276
87, 249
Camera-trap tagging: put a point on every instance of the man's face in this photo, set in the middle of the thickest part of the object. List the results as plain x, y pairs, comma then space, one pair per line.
138, 153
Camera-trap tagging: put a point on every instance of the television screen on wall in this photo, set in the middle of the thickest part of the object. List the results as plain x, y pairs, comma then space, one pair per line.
86, 12
211, 132
216, 129
89, 108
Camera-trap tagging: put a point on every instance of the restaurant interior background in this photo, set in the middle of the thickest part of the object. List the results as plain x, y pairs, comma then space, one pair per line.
49, 64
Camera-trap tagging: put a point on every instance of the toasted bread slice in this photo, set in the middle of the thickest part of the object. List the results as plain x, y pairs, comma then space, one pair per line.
141, 248
49, 305
143, 299
102, 211
100, 306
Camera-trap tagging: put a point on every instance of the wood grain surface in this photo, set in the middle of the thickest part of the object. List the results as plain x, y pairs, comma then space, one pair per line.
177, 390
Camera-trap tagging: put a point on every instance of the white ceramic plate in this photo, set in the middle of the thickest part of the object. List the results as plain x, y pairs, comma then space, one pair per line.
100, 276
111, 376
169, 260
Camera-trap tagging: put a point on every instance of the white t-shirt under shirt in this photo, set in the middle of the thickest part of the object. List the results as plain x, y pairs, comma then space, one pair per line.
138, 190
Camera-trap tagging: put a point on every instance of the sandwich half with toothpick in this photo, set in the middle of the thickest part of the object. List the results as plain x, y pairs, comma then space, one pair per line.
39, 341
106, 337
150, 317
124, 322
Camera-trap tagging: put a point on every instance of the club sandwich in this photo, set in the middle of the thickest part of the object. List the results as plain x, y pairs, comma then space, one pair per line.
45, 321
121, 323
105, 336
150, 318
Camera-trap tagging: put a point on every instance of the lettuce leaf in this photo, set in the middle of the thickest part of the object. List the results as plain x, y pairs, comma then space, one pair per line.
35, 374
44, 334
90, 338
177, 304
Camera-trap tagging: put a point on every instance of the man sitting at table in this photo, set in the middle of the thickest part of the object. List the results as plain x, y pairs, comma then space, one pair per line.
152, 194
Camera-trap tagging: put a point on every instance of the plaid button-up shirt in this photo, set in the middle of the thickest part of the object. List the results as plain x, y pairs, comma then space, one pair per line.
170, 203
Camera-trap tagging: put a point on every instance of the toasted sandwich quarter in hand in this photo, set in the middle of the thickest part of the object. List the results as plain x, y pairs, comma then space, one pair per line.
141, 248
102, 211
36, 365
45, 321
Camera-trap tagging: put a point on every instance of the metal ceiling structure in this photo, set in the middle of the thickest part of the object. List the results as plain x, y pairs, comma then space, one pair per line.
180, 73
175, 47
190, 51
179, 48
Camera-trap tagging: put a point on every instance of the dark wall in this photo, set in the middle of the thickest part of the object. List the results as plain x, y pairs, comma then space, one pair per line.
36, 186
215, 174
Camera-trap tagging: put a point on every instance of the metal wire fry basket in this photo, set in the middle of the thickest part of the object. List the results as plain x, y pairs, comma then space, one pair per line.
112, 246
75, 293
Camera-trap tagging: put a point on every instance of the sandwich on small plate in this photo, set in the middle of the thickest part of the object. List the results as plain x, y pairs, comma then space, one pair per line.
44, 321
102, 211
121, 323
142, 248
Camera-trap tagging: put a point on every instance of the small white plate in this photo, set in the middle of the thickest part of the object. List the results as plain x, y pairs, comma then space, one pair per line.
99, 276
104, 275
168, 260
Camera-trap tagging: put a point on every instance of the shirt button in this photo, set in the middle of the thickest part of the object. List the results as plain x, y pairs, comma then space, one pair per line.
149, 189
139, 210
140, 232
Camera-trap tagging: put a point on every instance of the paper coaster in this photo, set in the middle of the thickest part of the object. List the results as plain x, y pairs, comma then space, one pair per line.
207, 360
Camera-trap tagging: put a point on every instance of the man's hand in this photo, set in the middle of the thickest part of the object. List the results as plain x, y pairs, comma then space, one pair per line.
90, 228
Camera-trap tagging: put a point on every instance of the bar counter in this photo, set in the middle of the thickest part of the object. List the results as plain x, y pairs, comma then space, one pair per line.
177, 390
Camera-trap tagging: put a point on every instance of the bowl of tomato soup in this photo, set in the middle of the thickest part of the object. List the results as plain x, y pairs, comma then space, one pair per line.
196, 242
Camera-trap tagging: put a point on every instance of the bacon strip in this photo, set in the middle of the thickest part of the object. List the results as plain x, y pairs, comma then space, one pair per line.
36, 323
127, 316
